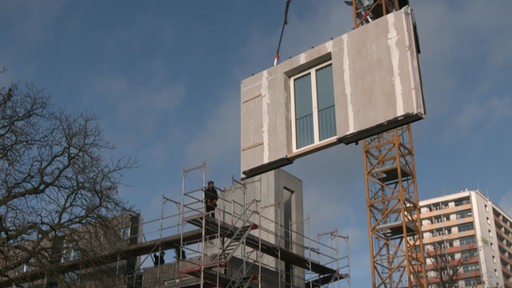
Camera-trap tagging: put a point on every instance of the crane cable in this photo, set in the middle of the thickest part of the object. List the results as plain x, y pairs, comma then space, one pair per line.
276, 57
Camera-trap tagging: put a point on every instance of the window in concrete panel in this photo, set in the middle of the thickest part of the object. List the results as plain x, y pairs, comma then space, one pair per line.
325, 99
303, 111
313, 106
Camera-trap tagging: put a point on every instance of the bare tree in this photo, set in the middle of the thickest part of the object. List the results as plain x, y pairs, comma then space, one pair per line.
54, 179
445, 270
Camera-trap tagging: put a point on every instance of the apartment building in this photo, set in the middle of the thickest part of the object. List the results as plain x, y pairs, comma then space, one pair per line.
467, 240
85, 256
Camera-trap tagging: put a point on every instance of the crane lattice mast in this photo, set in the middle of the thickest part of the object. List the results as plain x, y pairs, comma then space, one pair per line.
394, 225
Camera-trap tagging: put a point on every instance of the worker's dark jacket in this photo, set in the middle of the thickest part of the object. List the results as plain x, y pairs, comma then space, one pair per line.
211, 196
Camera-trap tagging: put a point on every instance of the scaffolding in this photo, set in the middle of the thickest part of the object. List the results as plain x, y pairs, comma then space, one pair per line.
242, 246
249, 244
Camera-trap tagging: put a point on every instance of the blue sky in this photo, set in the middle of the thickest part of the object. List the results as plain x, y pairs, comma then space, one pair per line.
164, 76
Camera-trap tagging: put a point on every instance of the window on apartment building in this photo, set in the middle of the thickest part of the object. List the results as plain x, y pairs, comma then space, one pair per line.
438, 246
71, 251
313, 106
472, 282
466, 227
471, 267
442, 231
24, 268
72, 278
504, 263
125, 233
468, 254
462, 201
467, 241
464, 214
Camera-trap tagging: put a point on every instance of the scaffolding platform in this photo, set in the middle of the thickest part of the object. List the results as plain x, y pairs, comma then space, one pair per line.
213, 226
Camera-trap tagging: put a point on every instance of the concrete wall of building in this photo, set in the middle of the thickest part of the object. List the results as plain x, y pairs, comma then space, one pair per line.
377, 87
168, 275
503, 223
266, 194
485, 229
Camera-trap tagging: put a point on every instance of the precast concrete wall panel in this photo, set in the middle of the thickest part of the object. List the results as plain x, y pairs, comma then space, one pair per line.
376, 87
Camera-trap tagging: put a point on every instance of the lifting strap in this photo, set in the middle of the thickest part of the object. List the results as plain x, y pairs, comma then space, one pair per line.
276, 57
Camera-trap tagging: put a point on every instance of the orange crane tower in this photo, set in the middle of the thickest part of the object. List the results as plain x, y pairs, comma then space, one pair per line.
394, 225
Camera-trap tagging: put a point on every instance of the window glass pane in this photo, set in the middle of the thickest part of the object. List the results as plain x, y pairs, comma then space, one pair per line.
303, 111
466, 227
325, 100
467, 241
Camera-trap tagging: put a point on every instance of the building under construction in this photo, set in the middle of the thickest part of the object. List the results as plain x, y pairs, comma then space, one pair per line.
258, 238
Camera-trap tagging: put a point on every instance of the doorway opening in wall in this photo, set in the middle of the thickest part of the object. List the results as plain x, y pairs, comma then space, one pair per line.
288, 218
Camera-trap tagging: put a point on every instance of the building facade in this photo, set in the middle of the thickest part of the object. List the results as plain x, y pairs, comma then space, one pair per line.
86, 256
467, 240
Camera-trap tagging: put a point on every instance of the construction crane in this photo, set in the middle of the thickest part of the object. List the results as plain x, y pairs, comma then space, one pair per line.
394, 225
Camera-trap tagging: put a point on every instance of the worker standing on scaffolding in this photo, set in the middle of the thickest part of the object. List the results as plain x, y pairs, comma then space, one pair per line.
210, 199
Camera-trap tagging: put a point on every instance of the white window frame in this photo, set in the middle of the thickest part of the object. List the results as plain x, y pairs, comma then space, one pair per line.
316, 132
